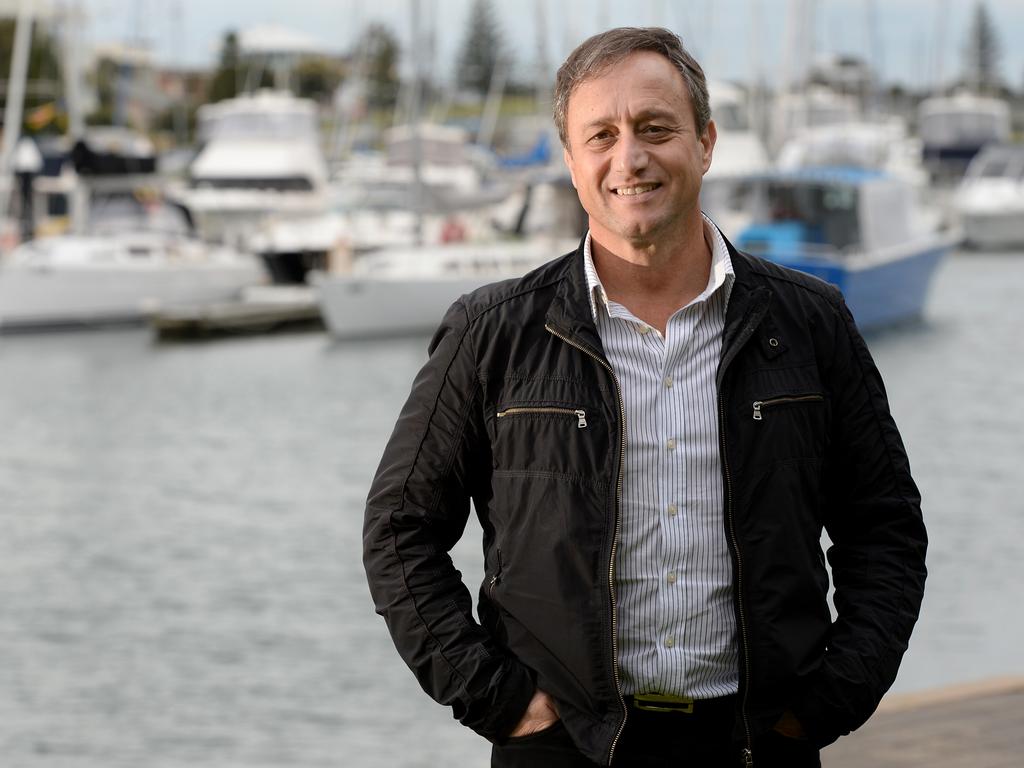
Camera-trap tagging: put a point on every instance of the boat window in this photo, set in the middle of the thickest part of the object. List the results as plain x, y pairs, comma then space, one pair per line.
828, 212
281, 184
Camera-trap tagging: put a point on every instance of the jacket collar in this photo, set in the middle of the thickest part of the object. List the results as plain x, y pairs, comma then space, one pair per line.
570, 312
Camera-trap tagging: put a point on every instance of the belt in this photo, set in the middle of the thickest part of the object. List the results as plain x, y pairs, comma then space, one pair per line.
683, 705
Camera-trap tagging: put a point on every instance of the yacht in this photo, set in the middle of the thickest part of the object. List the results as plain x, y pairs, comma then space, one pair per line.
81, 280
955, 128
405, 291
989, 202
260, 157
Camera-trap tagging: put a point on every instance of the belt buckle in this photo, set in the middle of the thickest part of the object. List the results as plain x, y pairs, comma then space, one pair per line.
658, 702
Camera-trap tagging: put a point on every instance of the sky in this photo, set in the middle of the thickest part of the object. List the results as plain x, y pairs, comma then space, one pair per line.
917, 42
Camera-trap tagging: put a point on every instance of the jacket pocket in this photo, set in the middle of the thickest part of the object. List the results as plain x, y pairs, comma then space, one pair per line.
768, 403
579, 414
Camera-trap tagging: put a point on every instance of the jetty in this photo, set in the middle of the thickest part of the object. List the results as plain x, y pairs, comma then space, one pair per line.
976, 725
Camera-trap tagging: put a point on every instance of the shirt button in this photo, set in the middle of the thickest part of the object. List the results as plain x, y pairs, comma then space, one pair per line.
671, 444
671, 578
642, 329
668, 382
673, 510
670, 641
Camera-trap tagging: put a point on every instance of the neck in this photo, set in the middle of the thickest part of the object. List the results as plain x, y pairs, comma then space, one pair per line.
653, 280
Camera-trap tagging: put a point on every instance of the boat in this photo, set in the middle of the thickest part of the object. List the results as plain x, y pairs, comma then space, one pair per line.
955, 128
861, 230
81, 280
259, 160
989, 202
405, 291
739, 152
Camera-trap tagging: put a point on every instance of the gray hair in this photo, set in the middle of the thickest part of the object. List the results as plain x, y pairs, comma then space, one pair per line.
595, 55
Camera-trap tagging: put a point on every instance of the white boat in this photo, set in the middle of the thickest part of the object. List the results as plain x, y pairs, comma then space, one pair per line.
72, 280
406, 291
738, 153
989, 202
955, 128
260, 156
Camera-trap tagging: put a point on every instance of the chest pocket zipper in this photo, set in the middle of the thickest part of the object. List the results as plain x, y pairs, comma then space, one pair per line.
759, 404
579, 413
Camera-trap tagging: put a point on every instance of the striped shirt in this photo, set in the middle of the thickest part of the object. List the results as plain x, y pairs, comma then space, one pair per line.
676, 626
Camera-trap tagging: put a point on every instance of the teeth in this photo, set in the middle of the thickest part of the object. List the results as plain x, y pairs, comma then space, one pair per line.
637, 190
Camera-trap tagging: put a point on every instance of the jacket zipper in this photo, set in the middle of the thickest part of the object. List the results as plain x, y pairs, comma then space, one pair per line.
615, 538
579, 413
496, 577
728, 356
759, 404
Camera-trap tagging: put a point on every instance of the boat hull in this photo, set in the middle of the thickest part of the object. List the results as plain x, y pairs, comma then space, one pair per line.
884, 292
34, 297
351, 306
993, 230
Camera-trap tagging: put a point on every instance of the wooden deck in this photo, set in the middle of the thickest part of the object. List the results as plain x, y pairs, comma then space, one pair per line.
972, 726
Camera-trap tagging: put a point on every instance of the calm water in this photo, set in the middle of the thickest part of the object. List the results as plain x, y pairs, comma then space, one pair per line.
180, 572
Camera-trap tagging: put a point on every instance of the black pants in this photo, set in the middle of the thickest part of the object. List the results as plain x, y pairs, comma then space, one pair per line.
660, 740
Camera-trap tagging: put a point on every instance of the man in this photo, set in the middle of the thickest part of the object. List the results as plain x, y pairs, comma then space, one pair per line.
653, 431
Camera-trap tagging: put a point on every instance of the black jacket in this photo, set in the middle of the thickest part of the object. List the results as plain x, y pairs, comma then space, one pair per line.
807, 442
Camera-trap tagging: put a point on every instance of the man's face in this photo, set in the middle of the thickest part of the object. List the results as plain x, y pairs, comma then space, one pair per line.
634, 154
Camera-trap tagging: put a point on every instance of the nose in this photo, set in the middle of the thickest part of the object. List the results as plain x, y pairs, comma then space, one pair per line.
630, 154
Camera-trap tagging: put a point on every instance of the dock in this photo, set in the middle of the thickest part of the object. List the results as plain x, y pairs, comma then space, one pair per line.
264, 309
978, 725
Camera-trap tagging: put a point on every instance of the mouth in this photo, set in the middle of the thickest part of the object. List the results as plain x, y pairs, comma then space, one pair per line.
635, 190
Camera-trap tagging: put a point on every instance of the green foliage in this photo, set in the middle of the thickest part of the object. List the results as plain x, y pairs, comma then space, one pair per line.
379, 51
44, 73
482, 50
317, 77
227, 78
982, 52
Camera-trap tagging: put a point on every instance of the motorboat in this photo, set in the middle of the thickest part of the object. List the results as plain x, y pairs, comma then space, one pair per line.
260, 158
861, 230
955, 128
989, 202
405, 291
739, 152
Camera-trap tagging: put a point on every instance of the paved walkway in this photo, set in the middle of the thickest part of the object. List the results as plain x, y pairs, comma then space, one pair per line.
972, 726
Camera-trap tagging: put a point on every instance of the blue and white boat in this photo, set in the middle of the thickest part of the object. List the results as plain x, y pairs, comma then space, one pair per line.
861, 230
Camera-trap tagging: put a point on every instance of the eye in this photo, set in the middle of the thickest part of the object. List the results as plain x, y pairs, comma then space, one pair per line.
600, 136
654, 130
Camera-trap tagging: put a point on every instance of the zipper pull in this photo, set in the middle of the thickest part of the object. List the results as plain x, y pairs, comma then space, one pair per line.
757, 409
582, 416
748, 758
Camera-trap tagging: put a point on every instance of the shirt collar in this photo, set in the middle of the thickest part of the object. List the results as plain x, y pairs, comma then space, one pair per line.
722, 274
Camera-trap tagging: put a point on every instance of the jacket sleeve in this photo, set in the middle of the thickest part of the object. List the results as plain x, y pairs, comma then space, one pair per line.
873, 517
416, 511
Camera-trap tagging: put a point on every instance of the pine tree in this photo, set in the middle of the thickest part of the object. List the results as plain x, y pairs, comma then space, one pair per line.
982, 52
482, 48
381, 50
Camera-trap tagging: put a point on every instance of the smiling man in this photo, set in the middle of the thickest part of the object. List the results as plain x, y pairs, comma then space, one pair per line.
653, 430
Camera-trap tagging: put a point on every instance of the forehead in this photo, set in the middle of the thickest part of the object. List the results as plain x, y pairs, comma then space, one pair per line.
640, 82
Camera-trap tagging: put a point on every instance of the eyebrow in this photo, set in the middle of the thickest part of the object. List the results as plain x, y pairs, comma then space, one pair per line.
647, 114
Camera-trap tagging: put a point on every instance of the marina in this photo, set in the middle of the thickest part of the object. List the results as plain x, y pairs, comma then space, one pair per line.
218, 282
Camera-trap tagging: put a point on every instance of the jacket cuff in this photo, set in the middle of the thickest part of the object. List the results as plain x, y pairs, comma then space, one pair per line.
498, 712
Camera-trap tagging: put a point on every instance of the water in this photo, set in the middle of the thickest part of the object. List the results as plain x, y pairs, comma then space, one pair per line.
180, 563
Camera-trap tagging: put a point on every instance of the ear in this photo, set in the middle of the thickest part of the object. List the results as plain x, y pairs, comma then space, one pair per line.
707, 142
567, 158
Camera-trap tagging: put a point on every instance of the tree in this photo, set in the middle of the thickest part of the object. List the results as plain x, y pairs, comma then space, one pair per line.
379, 56
982, 52
45, 86
482, 49
225, 82
317, 77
